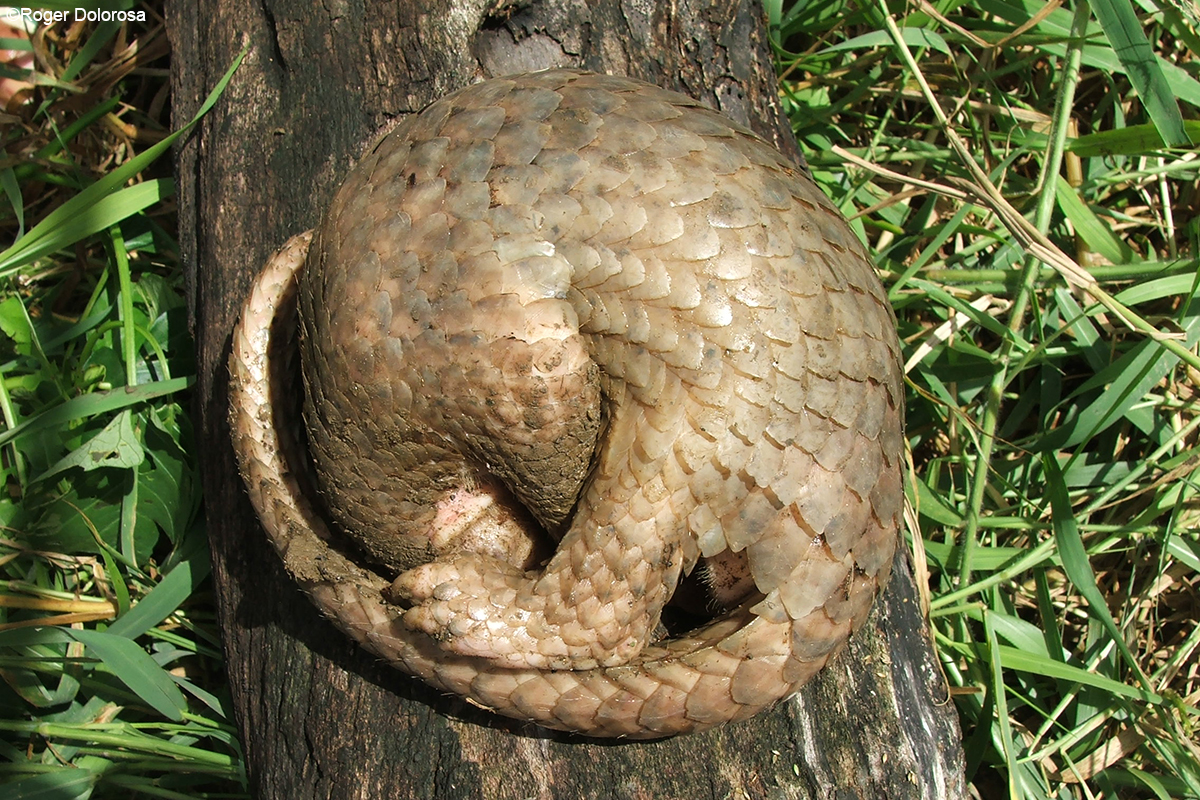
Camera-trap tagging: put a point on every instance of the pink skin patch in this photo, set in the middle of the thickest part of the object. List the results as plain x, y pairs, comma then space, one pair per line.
483, 518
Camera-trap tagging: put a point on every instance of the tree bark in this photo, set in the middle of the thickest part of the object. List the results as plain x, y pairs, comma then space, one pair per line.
321, 718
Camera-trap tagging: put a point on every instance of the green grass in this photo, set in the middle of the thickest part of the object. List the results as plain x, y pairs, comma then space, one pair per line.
1028, 188
1023, 175
109, 658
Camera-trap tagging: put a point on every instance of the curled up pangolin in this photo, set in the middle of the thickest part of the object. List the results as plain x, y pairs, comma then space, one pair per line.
566, 338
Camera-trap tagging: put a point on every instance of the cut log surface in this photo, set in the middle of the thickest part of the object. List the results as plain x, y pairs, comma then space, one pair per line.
321, 717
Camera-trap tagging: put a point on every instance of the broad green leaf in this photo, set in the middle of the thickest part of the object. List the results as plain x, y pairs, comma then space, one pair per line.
167, 484
83, 515
32, 637
67, 783
130, 664
15, 323
116, 445
83, 713
122, 657
1084, 473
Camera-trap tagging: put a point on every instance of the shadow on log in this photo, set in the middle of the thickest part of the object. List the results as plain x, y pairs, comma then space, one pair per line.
321, 718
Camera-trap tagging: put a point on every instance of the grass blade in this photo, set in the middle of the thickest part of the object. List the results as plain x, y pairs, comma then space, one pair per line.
1023, 661
163, 599
1129, 41
1078, 567
19, 254
1134, 140
1098, 236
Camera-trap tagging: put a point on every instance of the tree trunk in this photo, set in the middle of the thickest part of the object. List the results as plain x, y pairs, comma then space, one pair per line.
320, 717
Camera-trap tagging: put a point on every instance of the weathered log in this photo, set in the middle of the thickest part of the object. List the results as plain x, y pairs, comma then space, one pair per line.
322, 718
